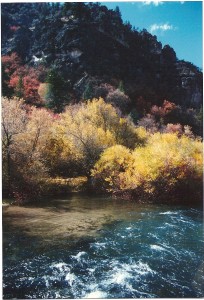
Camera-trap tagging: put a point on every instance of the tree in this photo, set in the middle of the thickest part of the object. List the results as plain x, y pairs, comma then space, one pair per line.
175, 128
19, 87
14, 120
103, 90
167, 168
11, 62
60, 155
118, 99
94, 126
25, 132
56, 84
31, 171
85, 133
88, 92
167, 109
25, 83
117, 11
121, 87
21, 80
7, 91
149, 123
113, 162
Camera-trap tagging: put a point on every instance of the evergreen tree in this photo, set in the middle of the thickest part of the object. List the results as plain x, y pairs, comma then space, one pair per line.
121, 87
88, 92
5, 89
117, 11
55, 93
20, 87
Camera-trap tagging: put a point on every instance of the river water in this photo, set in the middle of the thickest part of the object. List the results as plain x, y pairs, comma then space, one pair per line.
97, 247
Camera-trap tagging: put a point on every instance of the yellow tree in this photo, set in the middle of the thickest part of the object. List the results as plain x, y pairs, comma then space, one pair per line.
25, 131
30, 148
168, 167
87, 127
94, 126
60, 154
14, 121
111, 166
168, 164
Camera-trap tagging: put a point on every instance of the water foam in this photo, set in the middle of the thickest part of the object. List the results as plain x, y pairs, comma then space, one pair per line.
96, 295
99, 245
169, 213
60, 266
122, 274
120, 277
79, 255
157, 248
143, 268
70, 277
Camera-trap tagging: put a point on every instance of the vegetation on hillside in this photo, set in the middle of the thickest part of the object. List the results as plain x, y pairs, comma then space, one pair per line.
50, 58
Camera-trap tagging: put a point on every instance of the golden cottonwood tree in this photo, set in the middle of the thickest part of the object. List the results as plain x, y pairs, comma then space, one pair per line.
108, 171
14, 121
94, 126
60, 155
30, 146
24, 135
168, 164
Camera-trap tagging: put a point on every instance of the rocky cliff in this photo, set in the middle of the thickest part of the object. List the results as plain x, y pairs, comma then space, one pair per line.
89, 45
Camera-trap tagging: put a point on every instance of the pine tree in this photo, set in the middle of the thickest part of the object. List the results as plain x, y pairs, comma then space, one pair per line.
117, 11
121, 87
56, 84
5, 89
88, 92
20, 87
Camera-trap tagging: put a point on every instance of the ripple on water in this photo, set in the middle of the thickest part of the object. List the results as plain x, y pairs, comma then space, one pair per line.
169, 213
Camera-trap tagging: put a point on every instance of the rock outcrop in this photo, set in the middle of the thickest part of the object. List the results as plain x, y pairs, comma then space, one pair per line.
89, 41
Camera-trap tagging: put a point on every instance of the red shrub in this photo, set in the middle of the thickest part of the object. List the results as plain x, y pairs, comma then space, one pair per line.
10, 62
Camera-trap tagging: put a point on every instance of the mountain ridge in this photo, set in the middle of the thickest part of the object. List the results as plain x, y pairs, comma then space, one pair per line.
89, 45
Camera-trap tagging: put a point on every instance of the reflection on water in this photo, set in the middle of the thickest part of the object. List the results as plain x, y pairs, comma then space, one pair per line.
88, 247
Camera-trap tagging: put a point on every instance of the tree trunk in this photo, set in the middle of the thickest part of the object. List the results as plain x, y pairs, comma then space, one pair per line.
9, 170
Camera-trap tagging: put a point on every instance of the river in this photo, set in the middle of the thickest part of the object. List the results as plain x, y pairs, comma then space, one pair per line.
97, 247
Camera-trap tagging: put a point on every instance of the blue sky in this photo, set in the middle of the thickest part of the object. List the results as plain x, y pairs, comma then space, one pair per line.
178, 24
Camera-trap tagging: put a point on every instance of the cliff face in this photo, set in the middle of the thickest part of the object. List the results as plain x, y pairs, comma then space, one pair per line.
191, 83
89, 43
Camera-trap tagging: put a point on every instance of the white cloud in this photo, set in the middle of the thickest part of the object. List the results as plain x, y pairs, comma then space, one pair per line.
154, 2
161, 27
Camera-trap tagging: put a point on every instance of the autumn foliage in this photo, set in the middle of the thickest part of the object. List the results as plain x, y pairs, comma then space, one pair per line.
24, 80
91, 140
167, 167
27, 79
